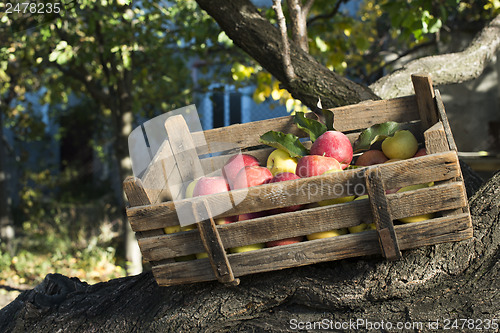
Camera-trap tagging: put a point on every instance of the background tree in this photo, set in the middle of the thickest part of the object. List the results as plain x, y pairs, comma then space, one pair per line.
124, 60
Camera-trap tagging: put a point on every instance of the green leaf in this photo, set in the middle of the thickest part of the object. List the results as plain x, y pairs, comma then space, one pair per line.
375, 133
287, 142
311, 126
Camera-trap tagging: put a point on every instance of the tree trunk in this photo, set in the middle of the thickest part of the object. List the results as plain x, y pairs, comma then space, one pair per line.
6, 222
255, 35
428, 286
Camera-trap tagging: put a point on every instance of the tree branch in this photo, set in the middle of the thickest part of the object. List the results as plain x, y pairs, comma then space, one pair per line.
299, 24
446, 68
287, 62
331, 14
256, 36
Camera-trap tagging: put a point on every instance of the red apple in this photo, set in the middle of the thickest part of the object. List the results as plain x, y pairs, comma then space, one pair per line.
315, 165
235, 164
333, 144
249, 216
252, 176
212, 185
371, 157
420, 152
285, 241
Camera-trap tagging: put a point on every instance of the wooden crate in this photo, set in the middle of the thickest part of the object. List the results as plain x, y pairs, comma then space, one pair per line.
424, 114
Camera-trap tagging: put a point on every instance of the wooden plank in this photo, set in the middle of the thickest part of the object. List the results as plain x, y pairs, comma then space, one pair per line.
293, 224
381, 214
422, 85
161, 168
444, 120
135, 192
435, 139
366, 114
419, 170
434, 231
184, 154
137, 196
213, 246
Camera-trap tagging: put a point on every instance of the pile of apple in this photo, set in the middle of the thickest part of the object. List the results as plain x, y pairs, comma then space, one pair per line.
331, 151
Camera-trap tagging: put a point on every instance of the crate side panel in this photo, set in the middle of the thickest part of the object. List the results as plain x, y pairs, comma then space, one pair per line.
293, 224
353, 245
418, 170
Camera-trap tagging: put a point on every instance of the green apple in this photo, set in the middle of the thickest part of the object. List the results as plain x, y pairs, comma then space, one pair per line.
336, 200
401, 145
327, 234
280, 161
246, 248
417, 218
201, 255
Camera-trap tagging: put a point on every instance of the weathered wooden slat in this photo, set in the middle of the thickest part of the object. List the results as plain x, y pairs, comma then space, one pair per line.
444, 229
213, 246
435, 139
161, 168
422, 84
293, 224
137, 196
444, 120
301, 191
381, 214
366, 114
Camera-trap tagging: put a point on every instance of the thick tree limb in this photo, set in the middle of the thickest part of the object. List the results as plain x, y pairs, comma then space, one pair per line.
253, 33
447, 68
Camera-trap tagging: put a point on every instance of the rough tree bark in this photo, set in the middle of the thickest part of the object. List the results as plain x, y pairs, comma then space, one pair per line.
440, 282
445, 68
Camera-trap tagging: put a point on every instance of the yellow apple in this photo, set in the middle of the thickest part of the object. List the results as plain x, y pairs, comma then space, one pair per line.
246, 248
417, 218
327, 234
401, 145
280, 161
172, 229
